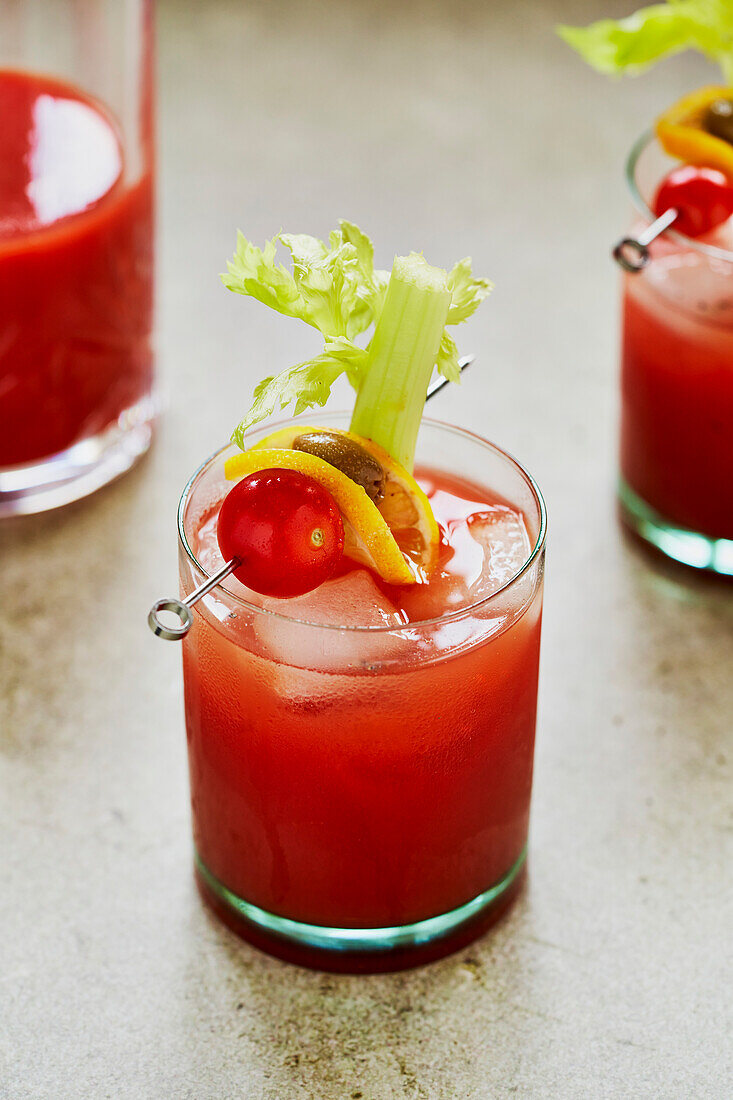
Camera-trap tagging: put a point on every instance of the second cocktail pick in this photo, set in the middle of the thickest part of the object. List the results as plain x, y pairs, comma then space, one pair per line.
694, 200
632, 253
182, 608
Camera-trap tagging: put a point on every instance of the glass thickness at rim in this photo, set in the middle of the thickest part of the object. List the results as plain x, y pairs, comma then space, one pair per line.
451, 616
647, 141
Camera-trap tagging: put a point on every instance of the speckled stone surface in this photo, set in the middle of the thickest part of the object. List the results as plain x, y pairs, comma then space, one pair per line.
458, 128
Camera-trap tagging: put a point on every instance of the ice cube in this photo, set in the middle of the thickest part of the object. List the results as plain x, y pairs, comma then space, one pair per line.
353, 600
491, 546
684, 287
206, 545
350, 600
502, 535
480, 552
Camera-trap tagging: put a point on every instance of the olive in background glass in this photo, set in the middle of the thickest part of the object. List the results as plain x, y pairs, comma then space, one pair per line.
718, 119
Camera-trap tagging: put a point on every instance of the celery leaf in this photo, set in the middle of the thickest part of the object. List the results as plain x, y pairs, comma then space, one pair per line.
447, 361
306, 384
660, 30
335, 288
467, 293
253, 272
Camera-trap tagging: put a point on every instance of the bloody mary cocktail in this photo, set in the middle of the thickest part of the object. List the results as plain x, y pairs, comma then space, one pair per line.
360, 614
677, 341
677, 388
361, 756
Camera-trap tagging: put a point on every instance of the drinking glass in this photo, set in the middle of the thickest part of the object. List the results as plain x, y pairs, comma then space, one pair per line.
676, 485
361, 795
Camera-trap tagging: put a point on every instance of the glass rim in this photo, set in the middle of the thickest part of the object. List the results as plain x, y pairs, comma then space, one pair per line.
640, 145
451, 616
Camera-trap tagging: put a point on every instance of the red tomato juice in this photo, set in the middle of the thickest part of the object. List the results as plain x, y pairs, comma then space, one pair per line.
381, 789
677, 401
76, 270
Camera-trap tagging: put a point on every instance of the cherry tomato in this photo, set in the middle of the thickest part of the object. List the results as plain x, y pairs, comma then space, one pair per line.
284, 528
703, 198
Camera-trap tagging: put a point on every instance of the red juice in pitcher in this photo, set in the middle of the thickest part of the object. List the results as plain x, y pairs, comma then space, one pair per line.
76, 271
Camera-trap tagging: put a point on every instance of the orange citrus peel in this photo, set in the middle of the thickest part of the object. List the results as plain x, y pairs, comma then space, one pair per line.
681, 134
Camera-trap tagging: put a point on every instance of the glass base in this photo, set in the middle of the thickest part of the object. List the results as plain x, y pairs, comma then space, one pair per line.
678, 543
81, 469
360, 950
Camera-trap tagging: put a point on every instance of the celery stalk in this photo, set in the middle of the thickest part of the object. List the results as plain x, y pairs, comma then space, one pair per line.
402, 354
335, 288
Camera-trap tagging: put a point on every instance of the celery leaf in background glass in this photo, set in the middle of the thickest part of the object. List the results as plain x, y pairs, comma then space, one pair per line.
661, 30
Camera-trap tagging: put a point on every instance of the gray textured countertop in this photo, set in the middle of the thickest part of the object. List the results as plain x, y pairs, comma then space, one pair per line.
459, 128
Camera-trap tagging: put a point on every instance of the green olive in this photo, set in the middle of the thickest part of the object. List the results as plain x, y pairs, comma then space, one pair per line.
718, 119
347, 456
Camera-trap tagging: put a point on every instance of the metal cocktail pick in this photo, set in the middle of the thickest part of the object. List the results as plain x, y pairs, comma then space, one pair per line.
439, 383
632, 253
182, 608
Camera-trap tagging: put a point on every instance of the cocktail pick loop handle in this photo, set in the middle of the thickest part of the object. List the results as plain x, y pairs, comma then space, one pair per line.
632, 253
182, 608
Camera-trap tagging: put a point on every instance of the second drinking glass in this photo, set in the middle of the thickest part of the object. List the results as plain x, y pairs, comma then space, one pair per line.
676, 487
